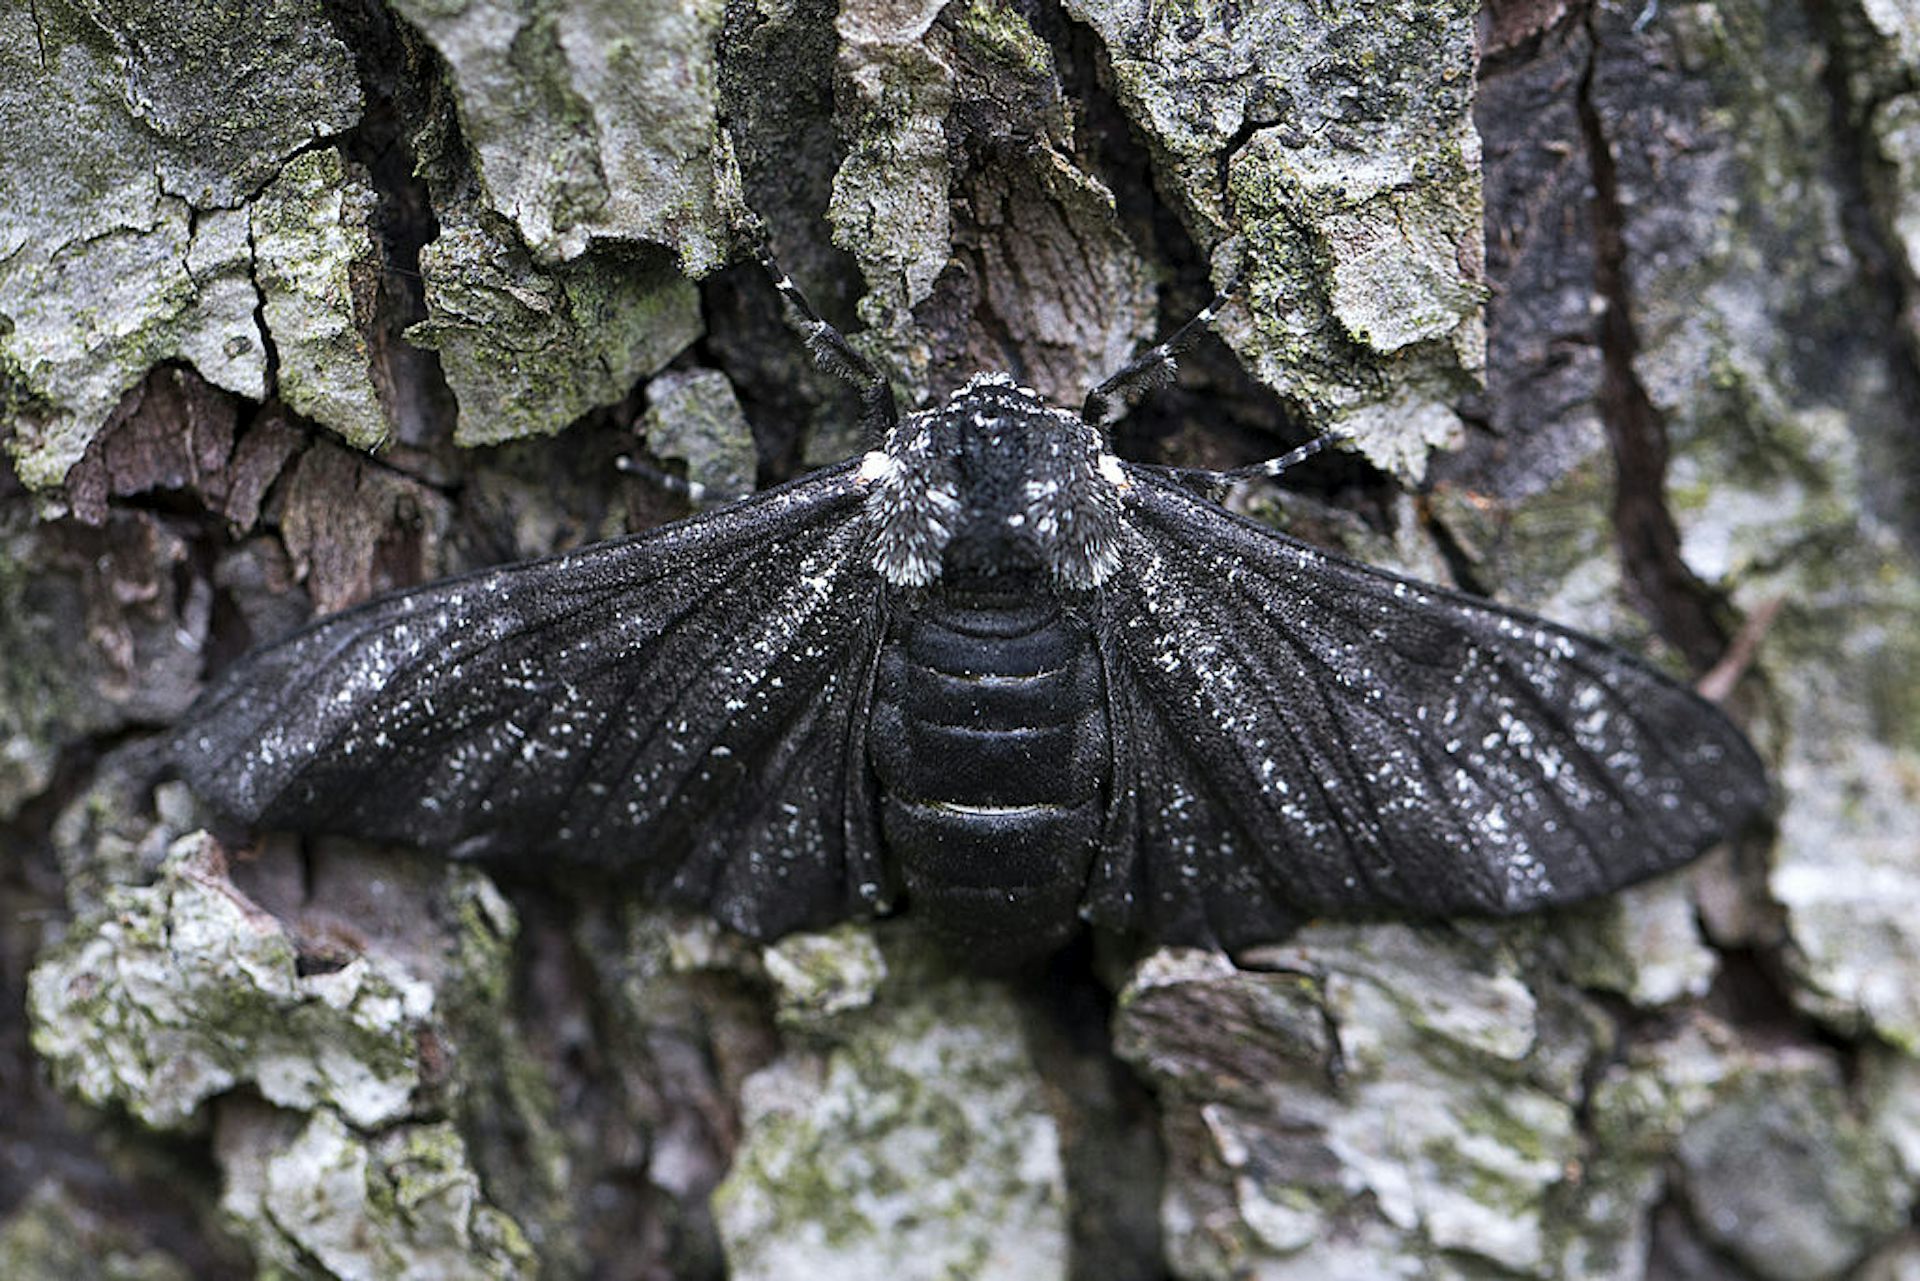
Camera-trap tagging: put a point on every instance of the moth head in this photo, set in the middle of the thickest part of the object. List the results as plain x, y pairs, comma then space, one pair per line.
995, 483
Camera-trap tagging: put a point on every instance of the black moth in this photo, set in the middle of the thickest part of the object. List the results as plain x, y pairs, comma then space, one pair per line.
993, 672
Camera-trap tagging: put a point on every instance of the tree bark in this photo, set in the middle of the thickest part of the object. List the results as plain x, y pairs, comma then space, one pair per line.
303, 301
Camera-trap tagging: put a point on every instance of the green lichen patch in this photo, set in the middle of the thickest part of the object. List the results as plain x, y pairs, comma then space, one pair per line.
86, 326
1553, 550
182, 990
1364, 310
1821, 522
1789, 483
1889, 1094
916, 1145
1384, 227
1421, 1107
1896, 131
507, 1108
1898, 28
1636, 1109
107, 836
1781, 1168
1844, 871
1397, 433
403, 1203
822, 976
1357, 234
1791, 471
1800, 527
694, 416
224, 93
1002, 32
1643, 943
526, 349
133, 140
315, 261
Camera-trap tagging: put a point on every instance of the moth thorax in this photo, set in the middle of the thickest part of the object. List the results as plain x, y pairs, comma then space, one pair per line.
994, 484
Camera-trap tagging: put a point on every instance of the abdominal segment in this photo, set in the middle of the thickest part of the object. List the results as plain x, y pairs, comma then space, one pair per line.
990, 741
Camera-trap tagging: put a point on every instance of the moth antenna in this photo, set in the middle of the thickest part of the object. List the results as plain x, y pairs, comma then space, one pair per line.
831, 351
1272, 468
1156, 366
691, 490
1206, 480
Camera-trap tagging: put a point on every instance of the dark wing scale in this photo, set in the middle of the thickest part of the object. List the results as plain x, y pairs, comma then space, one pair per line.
1377, 744
752, 816
688, 703
1173, 866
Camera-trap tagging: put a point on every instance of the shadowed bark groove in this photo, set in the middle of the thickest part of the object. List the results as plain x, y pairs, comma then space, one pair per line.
1648, 539
1888, 286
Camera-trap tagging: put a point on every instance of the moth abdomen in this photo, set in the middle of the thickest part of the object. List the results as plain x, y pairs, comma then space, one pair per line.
1011, 876
990, 741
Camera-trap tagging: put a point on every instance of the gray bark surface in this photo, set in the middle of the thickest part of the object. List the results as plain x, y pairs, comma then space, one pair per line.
1620, 304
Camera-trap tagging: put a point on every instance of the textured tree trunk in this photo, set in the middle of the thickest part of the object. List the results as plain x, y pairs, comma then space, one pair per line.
300, 301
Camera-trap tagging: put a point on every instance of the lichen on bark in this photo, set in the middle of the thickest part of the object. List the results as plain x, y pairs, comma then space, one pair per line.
124, 242
588, 121
695, 417
315, 262
54, 1236
1325, 156
909, 1139
1358, 1096
177, 992
330, 1201
963, 188
528, 349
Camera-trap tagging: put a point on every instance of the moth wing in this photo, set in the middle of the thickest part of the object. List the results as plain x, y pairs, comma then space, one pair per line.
689, 703
1303, 735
